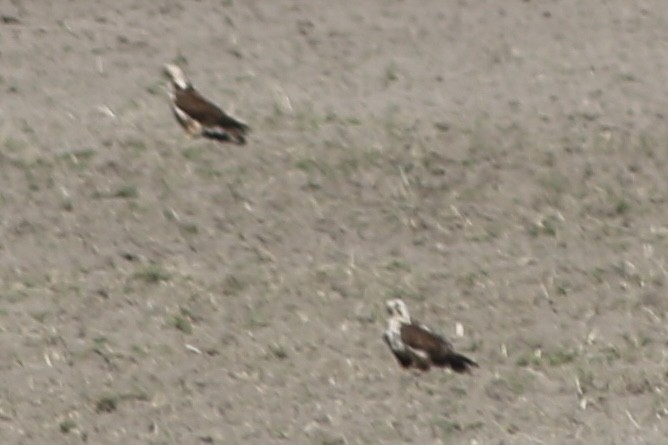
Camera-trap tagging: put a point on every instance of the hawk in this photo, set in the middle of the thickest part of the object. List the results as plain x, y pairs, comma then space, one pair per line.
198, 116
415, 346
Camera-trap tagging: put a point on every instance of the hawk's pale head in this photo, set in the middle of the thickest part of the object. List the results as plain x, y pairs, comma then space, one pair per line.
397, 309
176, 75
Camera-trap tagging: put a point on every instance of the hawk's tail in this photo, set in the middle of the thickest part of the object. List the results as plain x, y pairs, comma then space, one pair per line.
458, 363
235, 135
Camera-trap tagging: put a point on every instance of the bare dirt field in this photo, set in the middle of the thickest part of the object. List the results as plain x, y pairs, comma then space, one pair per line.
499, 164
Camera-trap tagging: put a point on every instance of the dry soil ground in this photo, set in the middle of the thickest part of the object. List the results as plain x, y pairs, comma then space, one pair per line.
499, 164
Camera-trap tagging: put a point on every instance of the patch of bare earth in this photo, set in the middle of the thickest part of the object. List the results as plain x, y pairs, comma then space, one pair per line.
496, 164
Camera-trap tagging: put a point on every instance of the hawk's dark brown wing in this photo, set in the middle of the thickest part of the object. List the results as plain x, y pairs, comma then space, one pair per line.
417, 337
437, 348
214, 121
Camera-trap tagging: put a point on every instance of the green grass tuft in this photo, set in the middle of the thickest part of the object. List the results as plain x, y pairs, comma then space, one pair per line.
66, 426
107, 404
152, 274
182, 324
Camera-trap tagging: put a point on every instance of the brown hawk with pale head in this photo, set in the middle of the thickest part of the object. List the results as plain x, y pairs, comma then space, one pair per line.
200, 117
415, 345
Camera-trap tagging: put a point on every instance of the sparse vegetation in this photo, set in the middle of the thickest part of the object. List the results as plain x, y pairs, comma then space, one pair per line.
257, 320
126, 191
14, 145
67, 425
152, 274
189, 228
156, 288
622, 207
155, 89
107, 404
182, 324
559, 357
391, 74
135, 144
447, 428
100, 340
78, 159
278, 351
546, 226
